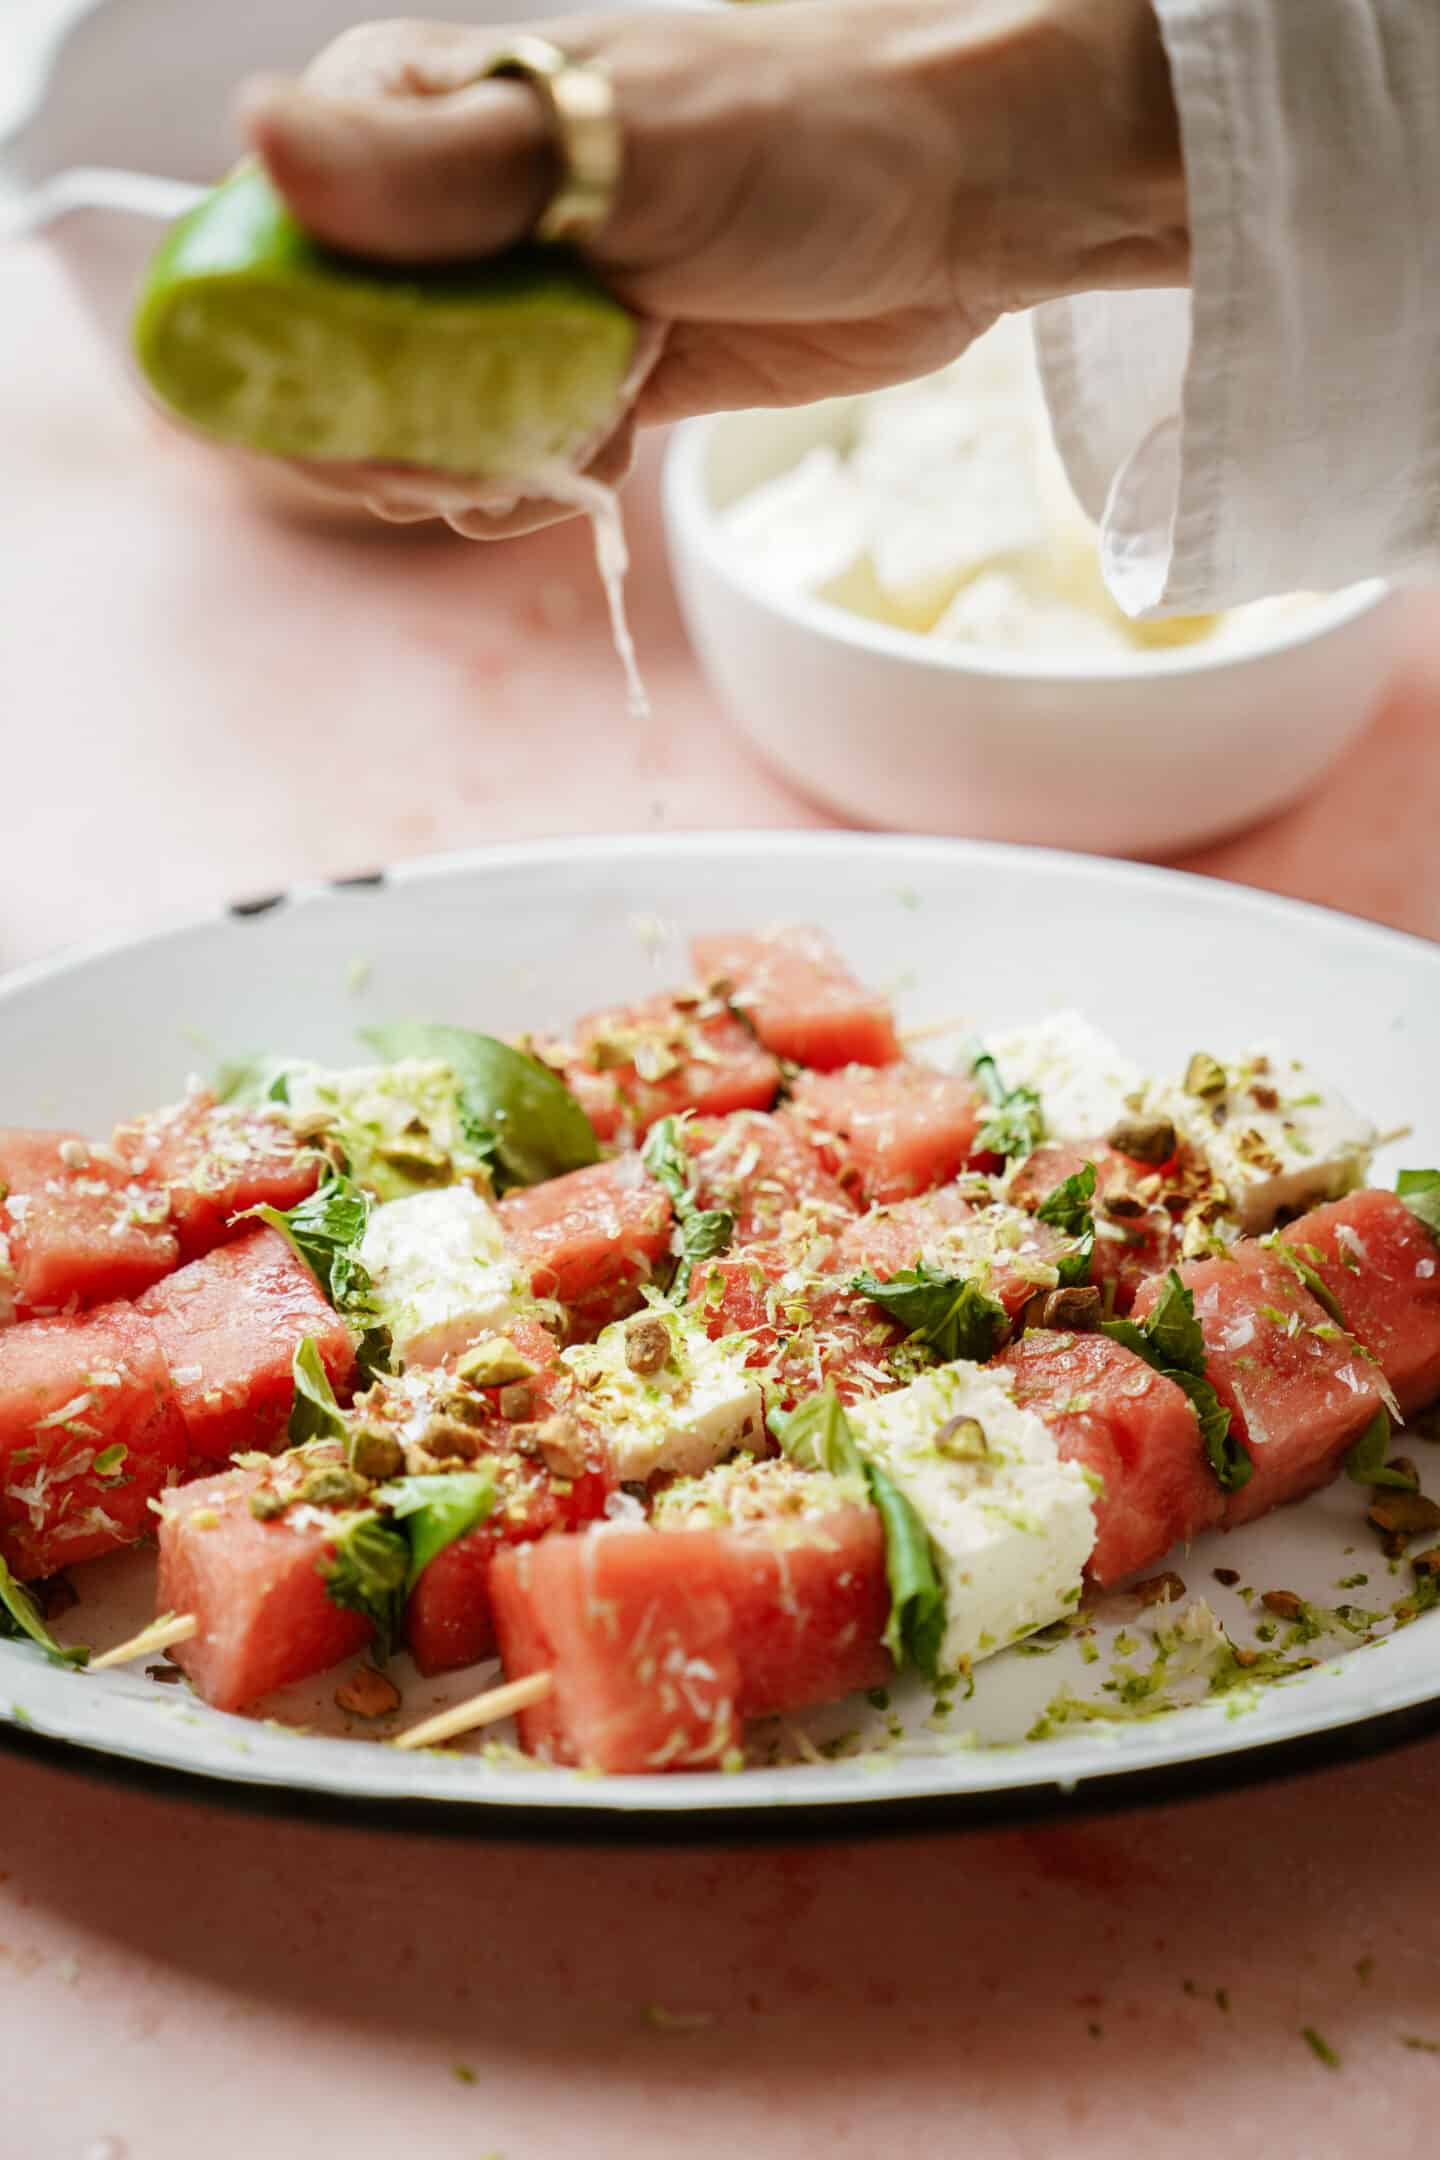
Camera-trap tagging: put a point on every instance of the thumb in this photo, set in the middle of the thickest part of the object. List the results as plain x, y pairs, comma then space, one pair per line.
405, 179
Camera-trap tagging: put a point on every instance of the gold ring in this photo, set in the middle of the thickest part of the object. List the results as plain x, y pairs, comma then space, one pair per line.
579, 104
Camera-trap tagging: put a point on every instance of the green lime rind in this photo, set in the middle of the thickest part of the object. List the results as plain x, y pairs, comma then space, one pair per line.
250, 331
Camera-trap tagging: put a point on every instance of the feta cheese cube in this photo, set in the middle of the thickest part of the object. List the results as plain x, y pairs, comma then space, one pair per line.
1085, 1083
441, 1273
1274, 1136
684, 1415
1011, 1525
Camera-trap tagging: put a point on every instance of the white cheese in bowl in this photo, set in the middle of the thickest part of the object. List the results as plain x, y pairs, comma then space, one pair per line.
942, 508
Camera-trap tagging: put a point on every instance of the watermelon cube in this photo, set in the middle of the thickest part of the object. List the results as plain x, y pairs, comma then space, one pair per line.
1004, 1251
74, 1230
589, 1239
632, 1065
804, 1329
800, 997
891, 1131
229, 1325
90, 1433
1382, 1268
660, 1641
1299, 1391
214, 1160
762, 1169
255, 1587
1131, 1427
1136, 1235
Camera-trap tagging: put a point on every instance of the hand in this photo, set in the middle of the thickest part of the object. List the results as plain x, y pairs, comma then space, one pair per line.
818, 198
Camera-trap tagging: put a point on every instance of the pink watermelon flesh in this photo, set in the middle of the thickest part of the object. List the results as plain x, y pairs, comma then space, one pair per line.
800, 997
591, 1238
806, 1337
661, 1641
889, 1132
764, 1172
1382, 1268
1299, 1391
79, 1232
214, 1160
230, 1324
90, 1432
946, 1231
256, 1588
686, 1055
1135, 1430
1129, 1247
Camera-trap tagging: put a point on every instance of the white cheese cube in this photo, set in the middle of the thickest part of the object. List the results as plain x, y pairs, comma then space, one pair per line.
440, 1270
1085, 1083
1010, 1524
683, 1416
1277, 1138
803, 528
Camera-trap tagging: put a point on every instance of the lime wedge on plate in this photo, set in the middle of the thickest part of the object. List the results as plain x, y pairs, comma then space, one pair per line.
250, 331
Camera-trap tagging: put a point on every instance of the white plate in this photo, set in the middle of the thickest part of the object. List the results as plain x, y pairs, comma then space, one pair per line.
517, 936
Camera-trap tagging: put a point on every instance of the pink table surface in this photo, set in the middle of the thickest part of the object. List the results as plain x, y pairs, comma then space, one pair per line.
197, 701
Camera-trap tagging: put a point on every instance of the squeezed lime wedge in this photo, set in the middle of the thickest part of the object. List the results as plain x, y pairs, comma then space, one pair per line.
250, 331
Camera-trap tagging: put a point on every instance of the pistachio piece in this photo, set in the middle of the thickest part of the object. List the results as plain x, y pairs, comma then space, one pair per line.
517, 1401
1143, 1139
1155, 1589
1073, 1310
1205, 1075
561, 1446
332, 1485
446, 1438
962, 1439
367, 1693
1403, 1514
1425, 1564
494, 1362
266, 1503
375, 1453
415, 1154
647, 1345
1285, 1604
1403, 1467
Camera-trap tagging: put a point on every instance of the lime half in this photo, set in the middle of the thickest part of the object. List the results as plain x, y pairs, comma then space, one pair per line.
252, 332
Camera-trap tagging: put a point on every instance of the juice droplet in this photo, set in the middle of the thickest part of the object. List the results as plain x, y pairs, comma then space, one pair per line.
601, 505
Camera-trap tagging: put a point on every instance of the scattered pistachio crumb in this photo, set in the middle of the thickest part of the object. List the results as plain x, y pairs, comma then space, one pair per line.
1222, 2000
1364, 1967
1095, 2030
1320, 2047
463, 2072
677, 2020
1420, 2044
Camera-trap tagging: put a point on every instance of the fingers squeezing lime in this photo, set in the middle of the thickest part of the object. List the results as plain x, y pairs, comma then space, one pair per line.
251, 332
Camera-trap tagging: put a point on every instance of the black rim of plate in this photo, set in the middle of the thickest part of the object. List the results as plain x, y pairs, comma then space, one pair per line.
1109, 1793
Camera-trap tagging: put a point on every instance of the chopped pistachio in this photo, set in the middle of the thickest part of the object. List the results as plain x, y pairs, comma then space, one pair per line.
367, 1694
1204, 1075
330, 1486
1143, 1139
375, 1453
266, 1503
495, 1362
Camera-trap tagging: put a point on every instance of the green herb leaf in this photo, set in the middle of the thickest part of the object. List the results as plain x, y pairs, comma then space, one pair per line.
314, 1414
704, 1232
436, 1510
368, 1573
253, 1080
818, 1436
950, 1314
1306, 1275
516, 1114
1171, 1341
1017, 1126
1420, 1190
326, 1231
1365, 1464
1067, 1209
20, 1616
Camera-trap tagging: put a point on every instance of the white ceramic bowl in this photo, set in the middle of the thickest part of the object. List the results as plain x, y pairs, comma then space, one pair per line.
898, 730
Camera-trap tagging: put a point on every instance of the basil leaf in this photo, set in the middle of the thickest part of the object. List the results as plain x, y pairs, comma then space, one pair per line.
515, 1113
704, 1232
314, 1414
326, 1231
1172, 1342
1017, 1126
253, 1080
1365, 1464
950, 1314
1420, 1190
20, 1616
368, 1573
818, 1436
436, 1510
1067, 1209
1306, 1275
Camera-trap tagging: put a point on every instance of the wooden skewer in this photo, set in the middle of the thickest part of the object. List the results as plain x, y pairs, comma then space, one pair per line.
169, 1628
929, 1030
486, 1709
